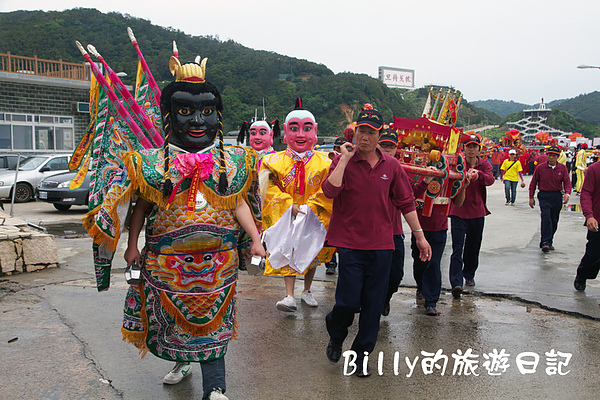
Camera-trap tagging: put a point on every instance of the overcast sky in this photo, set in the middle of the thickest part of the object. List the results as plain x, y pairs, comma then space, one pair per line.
519, 50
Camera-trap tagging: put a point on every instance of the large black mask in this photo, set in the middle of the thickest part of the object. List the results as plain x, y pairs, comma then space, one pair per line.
195, 120
193, 114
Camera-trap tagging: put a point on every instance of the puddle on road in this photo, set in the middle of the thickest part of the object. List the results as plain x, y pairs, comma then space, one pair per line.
67, 230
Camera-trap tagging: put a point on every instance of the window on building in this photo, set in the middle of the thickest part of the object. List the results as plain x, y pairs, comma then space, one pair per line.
63, 138
36, 132
19, 118
44, 119
5, 137
44, 138
22, 137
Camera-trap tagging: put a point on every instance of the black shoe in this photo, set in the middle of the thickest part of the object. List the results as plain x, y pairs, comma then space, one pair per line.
419, 295
334, 352
386, 310
242, 267
579, 284
551, 247
469, 282
456, 292
431, 310
545, 248
360, 373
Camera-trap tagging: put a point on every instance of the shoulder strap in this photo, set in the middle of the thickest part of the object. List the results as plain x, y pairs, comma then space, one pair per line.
514, 162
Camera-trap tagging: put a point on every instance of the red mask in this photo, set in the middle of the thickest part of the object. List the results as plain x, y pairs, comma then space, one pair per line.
300, 133
261, 135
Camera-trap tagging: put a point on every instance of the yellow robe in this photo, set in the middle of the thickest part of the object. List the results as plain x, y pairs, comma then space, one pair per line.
580, 165
276, 202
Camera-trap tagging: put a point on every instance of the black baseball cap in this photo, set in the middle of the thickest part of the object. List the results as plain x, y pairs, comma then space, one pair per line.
389, 135
340, 141
370, 117
473, 139
553, 150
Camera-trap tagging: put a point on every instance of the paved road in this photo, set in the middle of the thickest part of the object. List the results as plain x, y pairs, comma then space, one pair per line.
61, 339
511, 263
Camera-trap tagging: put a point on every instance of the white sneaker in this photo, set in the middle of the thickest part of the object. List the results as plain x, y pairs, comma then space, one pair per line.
217, 394
288, 304
308, 298
180, 371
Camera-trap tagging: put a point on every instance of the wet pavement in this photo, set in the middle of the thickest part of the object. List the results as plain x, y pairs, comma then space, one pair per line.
60, 338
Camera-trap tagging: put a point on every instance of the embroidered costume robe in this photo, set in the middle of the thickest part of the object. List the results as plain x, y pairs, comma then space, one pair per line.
262, 153
295, 180
184, 307
580, 165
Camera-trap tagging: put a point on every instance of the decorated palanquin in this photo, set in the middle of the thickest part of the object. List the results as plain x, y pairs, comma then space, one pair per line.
184, 307
433, 140
296, 181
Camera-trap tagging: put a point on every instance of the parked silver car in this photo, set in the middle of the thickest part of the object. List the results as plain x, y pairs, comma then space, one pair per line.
9, 160
31, 172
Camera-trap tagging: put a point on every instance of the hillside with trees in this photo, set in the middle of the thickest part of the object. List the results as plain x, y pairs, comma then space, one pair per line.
558, 119
585, 107
244, 76
501, 107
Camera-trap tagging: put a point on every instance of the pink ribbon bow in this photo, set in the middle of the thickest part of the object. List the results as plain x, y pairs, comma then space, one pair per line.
190, 163
196, 166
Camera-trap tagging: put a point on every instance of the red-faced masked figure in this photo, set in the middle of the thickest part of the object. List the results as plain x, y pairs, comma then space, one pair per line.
300, 131
295, 211
259, 135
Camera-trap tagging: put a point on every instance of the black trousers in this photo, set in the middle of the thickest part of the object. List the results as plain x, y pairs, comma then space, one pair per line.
428, 274
362, 284
397, 267
467, 235
550, 206
590, 263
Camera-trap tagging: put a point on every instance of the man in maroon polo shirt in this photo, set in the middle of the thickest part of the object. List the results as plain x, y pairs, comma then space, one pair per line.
554, 184
362, 182
467, 220
590, 205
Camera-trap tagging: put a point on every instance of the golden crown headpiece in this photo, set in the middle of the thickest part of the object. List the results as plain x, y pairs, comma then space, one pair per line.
193, 72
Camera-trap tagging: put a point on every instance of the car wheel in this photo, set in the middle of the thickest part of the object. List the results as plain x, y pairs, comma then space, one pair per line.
23, 193
62, 207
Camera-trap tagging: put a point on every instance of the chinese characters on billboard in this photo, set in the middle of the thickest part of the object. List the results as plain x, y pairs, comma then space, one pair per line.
397, 77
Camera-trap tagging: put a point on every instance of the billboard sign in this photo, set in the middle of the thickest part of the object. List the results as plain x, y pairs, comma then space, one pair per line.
397, 77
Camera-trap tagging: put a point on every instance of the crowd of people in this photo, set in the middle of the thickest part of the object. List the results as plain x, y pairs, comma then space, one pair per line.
528, 157
205, 206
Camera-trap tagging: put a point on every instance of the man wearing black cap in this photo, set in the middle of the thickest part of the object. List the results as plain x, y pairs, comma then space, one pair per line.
339, 141
552, 180
590, 206
362, 182
467, 220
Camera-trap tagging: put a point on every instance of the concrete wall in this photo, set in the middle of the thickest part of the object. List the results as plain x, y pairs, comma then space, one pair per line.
21, 93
